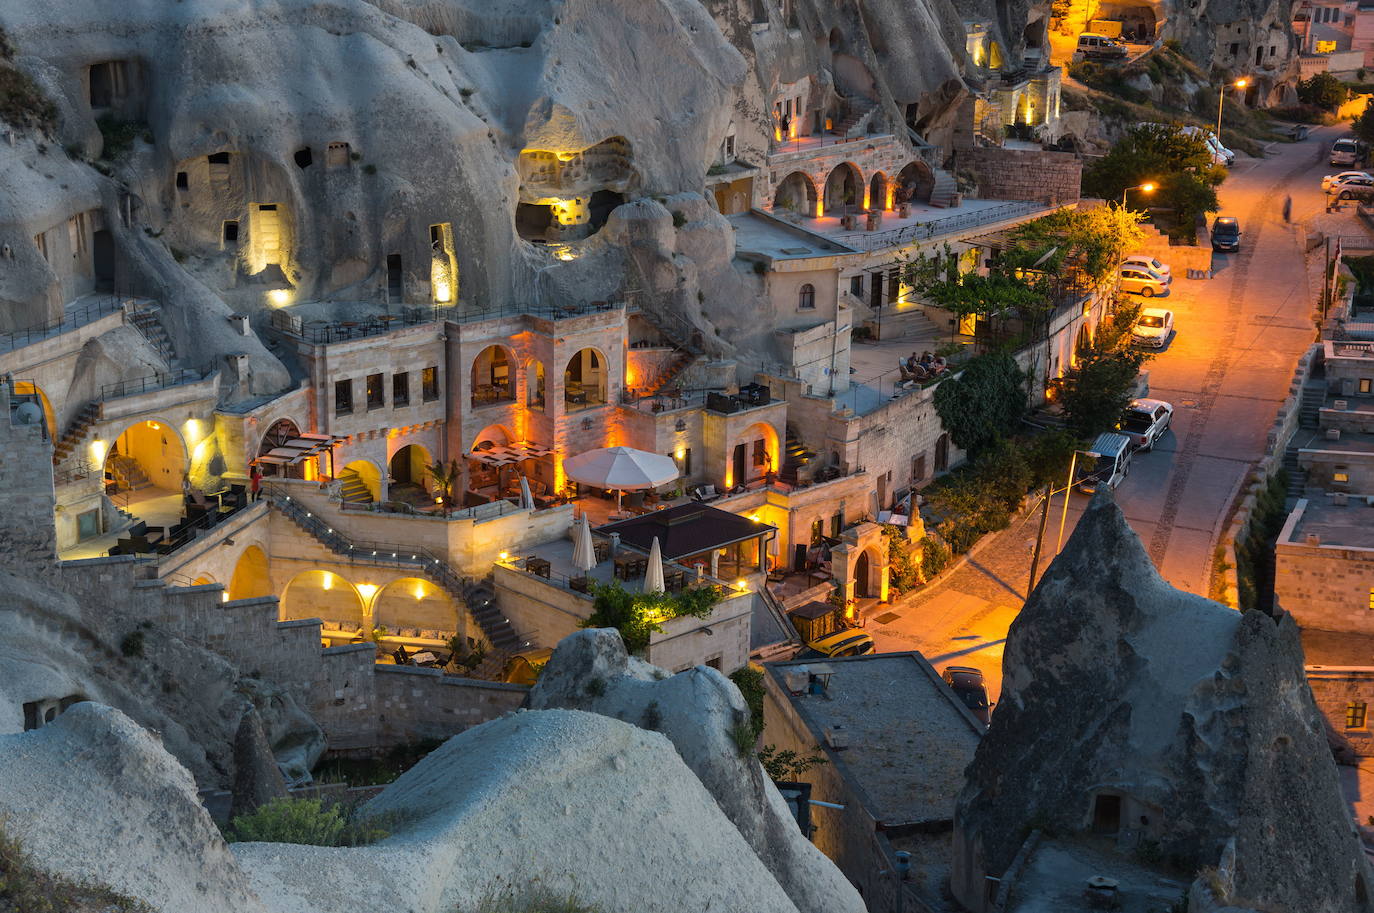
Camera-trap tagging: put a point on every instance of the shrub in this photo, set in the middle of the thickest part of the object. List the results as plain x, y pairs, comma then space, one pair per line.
749, 681
1323, 91
638, 615
1095, 392
132, 644
904, 572
369, 168
119, 136
742, 734
22, 102
679, 219
935, 557
1300, 113
596, 687
313, 823
785, 764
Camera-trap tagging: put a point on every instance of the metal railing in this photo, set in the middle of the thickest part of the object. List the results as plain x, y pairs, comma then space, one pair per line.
925, 231
822, 140
159, 381
73, 471
326, 332
71, 320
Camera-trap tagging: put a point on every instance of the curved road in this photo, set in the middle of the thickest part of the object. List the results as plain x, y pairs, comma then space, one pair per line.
1226, 371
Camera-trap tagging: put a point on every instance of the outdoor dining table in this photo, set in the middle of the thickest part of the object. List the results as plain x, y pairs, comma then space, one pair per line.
628, 567
538, 566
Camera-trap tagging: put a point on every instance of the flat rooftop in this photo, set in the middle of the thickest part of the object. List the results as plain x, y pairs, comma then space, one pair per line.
909, 736
759, 233
1351, 525
1058, 870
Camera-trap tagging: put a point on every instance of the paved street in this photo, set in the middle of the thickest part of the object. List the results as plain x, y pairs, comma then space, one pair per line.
1226, 371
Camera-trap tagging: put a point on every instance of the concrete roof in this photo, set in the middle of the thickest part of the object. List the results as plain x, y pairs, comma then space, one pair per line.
1351, 526
1058, 870
759, 233
909, 737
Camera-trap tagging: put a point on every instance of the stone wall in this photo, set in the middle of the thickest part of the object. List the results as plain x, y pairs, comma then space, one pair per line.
1335, 688
1323, 465
414, 703
1326, 587
1022, 174
27, 538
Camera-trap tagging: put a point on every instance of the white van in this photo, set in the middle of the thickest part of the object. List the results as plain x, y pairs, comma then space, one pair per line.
1100, 46
1346, 151
1107, 462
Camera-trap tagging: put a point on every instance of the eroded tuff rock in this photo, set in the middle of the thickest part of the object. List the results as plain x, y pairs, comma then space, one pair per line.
1197, 717
696, 710
257, 780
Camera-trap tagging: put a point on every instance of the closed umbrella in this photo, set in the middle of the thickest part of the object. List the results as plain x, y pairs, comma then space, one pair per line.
621, 468
653, 574
526, 498
584, 553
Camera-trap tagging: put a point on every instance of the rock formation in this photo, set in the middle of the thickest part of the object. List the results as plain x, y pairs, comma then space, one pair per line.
1130, 707
257, 780
697, 710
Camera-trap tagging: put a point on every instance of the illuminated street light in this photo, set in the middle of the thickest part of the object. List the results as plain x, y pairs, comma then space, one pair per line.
1239, 84
1147, 187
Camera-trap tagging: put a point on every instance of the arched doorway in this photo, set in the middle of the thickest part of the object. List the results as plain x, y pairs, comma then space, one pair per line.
843, 190
147, 455
324, 595
755, 455
915, 183
414, 603
492, 377
277, 435
409, 471
863, 567
796, 194
361, 482
252, 578
942, 452
584, 380
877, 192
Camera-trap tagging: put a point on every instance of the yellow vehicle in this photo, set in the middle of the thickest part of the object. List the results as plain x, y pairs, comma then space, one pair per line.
826, 634
524, 668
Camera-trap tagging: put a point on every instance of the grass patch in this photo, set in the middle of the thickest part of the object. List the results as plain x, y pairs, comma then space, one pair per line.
311, 822
375, 771
22, 102
24, 888
532, 900
749, 681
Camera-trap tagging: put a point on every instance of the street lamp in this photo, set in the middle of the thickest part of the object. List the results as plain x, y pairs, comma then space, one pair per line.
1147, 187
1221, 99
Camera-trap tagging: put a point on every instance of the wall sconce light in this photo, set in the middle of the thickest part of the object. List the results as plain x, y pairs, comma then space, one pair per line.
681, 425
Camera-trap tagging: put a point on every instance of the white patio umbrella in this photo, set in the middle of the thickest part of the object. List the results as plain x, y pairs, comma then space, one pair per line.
621, 468
584, 553
526, 497
653, 574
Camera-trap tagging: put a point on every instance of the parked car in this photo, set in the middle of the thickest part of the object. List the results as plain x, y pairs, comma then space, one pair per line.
1107, 462
1354, 188
1153, 328
1342, 176
1220, 154
1347, 151
1145, 261
845, 642
1092, 46
1145, 422
1142, 281
1226, 233
967, 683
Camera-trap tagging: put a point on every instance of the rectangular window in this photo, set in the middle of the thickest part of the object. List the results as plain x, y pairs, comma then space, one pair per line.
817, 531
856, 285
182, 182
400, 389
376, 398
836, 524
760, 453
343, 397
218, 158
231, 231
1365, 384
1340, 477
1355, 714
429, 384
918, 469
1235, 49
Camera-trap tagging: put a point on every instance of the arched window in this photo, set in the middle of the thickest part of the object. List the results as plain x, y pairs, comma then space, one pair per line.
806, 297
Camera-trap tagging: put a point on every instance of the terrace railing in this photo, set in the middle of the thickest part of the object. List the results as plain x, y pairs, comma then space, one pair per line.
945, 225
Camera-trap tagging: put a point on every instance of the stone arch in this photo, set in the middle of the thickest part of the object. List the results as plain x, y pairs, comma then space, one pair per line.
325, 595
204, 580
413, 602
797, 193
493, 436
493, 376
915, 182
586, 379
365, 473
252, 577
27, 389
409, 465
276, 435
148, 453
864, 567
879, 192
844, 191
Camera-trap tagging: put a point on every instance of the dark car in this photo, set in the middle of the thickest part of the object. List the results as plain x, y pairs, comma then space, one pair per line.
967, 682
1226, 234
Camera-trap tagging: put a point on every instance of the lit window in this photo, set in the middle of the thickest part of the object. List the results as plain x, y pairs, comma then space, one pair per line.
1340, 477
376, 399
429, 384
1366, 383
1354, 715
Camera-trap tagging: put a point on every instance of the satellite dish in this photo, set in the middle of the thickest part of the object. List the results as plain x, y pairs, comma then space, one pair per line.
28, 414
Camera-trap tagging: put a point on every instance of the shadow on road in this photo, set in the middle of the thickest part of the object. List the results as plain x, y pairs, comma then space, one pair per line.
955, 654
987, 572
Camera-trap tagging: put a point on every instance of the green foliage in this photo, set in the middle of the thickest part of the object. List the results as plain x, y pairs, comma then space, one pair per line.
445, 476
742, 734
904, 571
638, 615
531, 899
1363, 126
1266, 522
1090, 242
1108, 78
749, 681
935, 557
369, 169
1178, 164
1301, 114
786, 765
679, 219
132, 644
22, 102
595, 687
119, 136
1095, 392
25, 888
976, 500
1324, 91
1048, 456
313, 823
984, 402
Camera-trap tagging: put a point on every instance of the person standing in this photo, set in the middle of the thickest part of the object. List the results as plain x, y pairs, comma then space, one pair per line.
255, 482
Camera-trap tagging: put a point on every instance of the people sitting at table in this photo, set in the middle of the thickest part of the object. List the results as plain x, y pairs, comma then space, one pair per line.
911, 363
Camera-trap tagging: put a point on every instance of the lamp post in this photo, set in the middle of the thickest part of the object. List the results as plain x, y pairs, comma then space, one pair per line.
1147, 187
1221, 99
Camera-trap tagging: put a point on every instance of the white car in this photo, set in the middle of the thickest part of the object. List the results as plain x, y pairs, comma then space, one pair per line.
1145, 422
1142, 281
1356, 188
1146, 262
1153, 328
1344, 176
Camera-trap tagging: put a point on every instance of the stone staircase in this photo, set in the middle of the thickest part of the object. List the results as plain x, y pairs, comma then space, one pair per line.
858, 114
913, 325
76, 433
682, 360
945, 190
477, 595
795, 457
353, 489
128, 475
1309, 413
146, 319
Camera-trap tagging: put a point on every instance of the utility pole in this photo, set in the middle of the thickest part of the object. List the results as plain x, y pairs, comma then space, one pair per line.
1326, 281
1068, 490
1040, 537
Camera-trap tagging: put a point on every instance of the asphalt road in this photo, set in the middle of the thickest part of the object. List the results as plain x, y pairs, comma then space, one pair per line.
1226, 371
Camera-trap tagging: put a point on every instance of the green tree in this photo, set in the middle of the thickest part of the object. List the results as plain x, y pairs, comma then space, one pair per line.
1095, 392
786, 765
984, 402
1323, 90
1179, 164
1364, 125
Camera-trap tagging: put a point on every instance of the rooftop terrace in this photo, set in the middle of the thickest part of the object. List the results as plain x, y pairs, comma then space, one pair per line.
1349, 525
